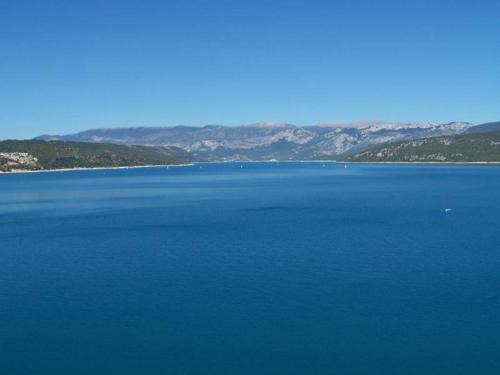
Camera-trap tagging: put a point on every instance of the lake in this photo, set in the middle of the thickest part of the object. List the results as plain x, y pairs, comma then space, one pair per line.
253, 268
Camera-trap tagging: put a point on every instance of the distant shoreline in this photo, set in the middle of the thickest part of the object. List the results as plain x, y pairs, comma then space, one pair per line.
97, 168
424, 162
355, 162
166, 166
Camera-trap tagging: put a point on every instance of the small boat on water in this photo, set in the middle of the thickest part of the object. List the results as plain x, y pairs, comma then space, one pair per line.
447, 210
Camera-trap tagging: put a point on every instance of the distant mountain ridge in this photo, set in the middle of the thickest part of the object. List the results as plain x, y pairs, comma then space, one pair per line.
488, 127
267, 140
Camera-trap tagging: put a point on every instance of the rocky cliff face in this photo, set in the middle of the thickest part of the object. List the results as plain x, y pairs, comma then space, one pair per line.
267, 141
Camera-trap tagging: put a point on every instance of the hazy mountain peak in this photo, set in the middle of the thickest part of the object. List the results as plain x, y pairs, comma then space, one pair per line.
270, 124
356, 124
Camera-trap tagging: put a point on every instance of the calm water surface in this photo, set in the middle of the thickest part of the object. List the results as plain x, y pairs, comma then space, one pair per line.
278, 268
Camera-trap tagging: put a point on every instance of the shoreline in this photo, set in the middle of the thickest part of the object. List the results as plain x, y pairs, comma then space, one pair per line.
425, 162
166, 166
353, 162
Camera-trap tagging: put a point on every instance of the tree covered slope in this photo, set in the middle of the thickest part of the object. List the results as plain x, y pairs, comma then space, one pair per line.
475, 147
39, 155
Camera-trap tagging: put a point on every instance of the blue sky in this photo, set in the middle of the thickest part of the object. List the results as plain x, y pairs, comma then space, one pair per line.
67, 66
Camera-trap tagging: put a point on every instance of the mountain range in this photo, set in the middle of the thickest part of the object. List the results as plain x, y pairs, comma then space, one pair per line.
268, 140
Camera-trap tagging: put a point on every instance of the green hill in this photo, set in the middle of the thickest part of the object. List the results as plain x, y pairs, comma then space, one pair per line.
475, 147
40, 155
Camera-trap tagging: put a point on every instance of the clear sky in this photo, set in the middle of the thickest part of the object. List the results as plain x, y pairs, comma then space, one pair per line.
67, 66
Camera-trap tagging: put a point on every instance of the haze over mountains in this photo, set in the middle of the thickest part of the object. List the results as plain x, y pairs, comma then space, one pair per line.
268, 140
485, 128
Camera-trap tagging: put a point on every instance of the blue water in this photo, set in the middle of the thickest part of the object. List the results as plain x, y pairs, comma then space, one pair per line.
278, 268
